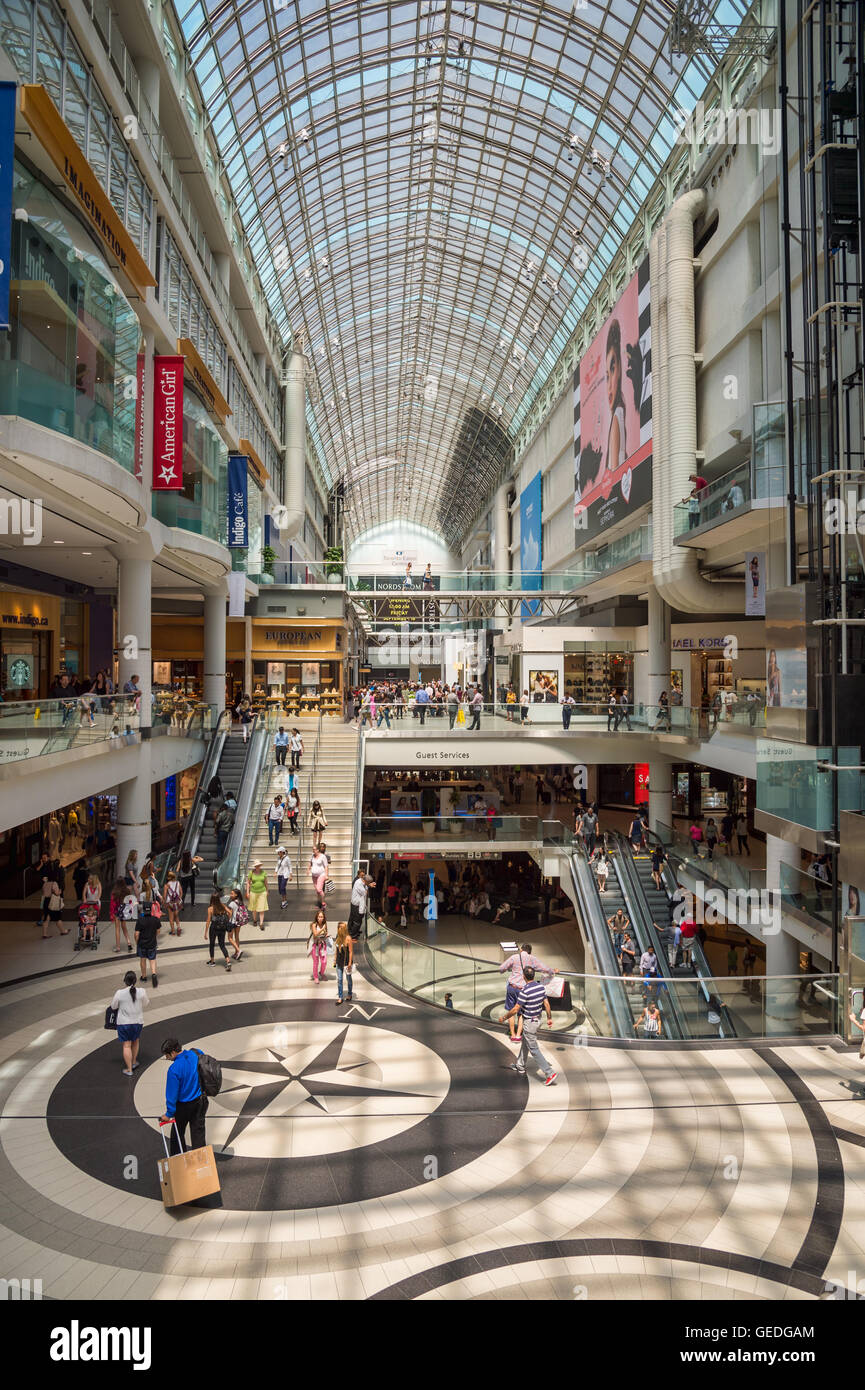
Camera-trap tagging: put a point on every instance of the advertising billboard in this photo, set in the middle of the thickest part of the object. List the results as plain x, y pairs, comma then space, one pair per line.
613, 415
531, 542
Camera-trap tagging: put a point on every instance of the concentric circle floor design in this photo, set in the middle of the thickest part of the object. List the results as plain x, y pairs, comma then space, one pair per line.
387, 1150
304, 1089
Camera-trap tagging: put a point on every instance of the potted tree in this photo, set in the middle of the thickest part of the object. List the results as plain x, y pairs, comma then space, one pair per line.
333, 564
268, 555
454, 820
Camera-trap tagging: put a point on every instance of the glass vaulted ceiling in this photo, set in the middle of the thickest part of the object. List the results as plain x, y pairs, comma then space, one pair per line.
432, 192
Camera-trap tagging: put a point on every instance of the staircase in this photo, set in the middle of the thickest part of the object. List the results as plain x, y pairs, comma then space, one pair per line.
333, 785
230, 769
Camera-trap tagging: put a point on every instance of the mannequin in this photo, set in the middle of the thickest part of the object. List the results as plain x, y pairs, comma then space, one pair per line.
54, 836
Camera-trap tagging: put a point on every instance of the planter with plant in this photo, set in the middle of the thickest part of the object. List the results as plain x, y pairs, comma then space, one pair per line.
268, 556
333, 564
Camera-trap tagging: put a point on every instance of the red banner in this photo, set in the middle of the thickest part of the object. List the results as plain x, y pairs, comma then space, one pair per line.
641, 783
167, 423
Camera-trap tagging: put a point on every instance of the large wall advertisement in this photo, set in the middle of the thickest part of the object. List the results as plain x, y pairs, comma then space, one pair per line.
531, 543
613, 416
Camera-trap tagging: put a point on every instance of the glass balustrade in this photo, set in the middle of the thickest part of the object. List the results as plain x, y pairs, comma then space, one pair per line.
803, 892
744, 1007
464, 825
36, 728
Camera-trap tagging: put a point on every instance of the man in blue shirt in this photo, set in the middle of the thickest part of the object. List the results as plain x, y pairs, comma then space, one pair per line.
421, 701
531, 999
280, 743
185, 1102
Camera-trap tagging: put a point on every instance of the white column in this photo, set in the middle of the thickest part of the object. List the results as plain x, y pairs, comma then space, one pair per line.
133, 627
782, 949
247, 656
133, 813
659, 649
214, 650
660, 793
501, 524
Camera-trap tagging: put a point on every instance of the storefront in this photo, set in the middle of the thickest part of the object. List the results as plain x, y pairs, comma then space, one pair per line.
33, 645
178, 657
593, 669
719, 659
699, 792
293, 666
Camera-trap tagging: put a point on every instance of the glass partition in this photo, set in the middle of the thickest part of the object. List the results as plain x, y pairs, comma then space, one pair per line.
71, 353
745, 1007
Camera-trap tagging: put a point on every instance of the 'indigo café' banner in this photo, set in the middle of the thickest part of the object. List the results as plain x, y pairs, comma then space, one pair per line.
238, 502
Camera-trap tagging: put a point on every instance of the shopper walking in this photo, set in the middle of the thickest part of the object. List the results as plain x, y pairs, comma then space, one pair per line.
711, 836
146, 939
187, 872
568, 703
224, 827
318, 864
172, 901
742, 834
292, 810
359, 898
530, 1003
453, 706
243, 710
516, 966
130, 1003
216, 925
280, 746
53, 894
317, 945
185, 1101
477, 704
274, 818
283, 874
524, 707
256, 893
295, 744
589, 830
650, 1022
343, 959
317, 822
117, 910
602, 869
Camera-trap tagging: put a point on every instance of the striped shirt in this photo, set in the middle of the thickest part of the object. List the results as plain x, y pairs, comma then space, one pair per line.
531, 999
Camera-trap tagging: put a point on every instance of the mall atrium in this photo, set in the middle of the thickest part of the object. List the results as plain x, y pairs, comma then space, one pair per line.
431, 497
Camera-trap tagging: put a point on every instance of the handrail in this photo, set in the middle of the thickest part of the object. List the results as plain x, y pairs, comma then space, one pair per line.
358, 807
198, 811
305, 806
230, 870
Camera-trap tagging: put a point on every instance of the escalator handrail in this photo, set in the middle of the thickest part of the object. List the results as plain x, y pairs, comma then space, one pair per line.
702, 970
198, 810
618, 1001
251, 790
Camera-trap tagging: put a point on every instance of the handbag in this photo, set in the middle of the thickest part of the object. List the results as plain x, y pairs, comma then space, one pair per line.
111, 1017
55, 903
329, 885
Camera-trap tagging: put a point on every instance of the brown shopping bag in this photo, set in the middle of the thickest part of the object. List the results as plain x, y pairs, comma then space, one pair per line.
185, 1176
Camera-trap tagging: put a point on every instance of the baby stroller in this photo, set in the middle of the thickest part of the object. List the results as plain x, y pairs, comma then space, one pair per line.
88, 927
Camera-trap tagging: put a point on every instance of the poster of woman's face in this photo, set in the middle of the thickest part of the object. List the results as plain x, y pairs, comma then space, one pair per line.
851, 900
544, 686
787, 678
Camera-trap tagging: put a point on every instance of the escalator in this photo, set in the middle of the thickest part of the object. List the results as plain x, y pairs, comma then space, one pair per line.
623, 890
231, 757
697, 994
614, 996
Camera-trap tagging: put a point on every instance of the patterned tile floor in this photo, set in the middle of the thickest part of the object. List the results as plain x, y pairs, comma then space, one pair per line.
386, 1150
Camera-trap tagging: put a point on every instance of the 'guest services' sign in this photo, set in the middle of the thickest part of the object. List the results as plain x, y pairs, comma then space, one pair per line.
167, 423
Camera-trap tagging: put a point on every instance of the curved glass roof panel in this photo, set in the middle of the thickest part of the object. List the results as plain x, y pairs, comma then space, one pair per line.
433, 191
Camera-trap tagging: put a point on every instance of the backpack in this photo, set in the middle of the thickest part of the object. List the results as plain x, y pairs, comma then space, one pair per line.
209, 1074
241, 917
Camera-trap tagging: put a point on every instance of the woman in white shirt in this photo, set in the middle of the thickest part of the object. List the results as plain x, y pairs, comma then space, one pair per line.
130, 1003
318, 872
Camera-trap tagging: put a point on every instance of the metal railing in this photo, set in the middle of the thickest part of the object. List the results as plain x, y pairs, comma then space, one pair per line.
232, 867
758, 1006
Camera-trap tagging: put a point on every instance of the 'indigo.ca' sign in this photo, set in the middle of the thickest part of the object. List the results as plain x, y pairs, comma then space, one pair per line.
238, 507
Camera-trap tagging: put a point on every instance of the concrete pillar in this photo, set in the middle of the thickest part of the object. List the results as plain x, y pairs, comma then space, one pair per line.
133, 813
247, 656
294, 498
214, 650
501, 525
659, 650
782, 949
660, 793
133, 627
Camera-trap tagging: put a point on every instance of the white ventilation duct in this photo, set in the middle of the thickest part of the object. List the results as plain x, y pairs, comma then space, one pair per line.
675, 569
501, 523
294, 496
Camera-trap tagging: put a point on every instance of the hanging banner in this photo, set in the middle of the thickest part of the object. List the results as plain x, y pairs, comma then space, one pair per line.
167, 423
641, 783
755, 583
531, 543
7, 155
238, 502
236, 594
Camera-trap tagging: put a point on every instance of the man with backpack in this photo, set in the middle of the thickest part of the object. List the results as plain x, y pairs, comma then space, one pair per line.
185, 1100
